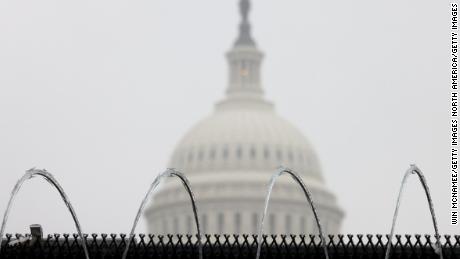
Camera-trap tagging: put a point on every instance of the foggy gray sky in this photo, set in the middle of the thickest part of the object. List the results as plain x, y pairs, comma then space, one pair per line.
99, 92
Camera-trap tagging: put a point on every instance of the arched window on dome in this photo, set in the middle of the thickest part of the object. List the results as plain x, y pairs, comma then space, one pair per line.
225, 153
243, 73
252, 153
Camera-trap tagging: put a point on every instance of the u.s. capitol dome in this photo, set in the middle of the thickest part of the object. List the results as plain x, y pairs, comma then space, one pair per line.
230, 156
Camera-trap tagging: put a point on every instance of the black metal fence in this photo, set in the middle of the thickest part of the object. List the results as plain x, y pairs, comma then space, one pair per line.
228, 246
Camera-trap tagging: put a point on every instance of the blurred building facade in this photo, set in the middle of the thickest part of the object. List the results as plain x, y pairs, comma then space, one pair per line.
230, 156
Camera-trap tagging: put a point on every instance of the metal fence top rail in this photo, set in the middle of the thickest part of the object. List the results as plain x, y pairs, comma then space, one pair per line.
242, 240
227, 246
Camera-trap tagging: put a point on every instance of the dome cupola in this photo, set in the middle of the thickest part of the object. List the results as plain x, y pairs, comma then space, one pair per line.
244, 132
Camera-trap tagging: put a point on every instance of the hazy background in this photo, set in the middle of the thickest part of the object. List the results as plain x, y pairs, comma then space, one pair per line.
99, 93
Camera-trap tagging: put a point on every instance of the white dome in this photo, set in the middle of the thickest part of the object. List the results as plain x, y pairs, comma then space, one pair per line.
230, 156
246, 139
